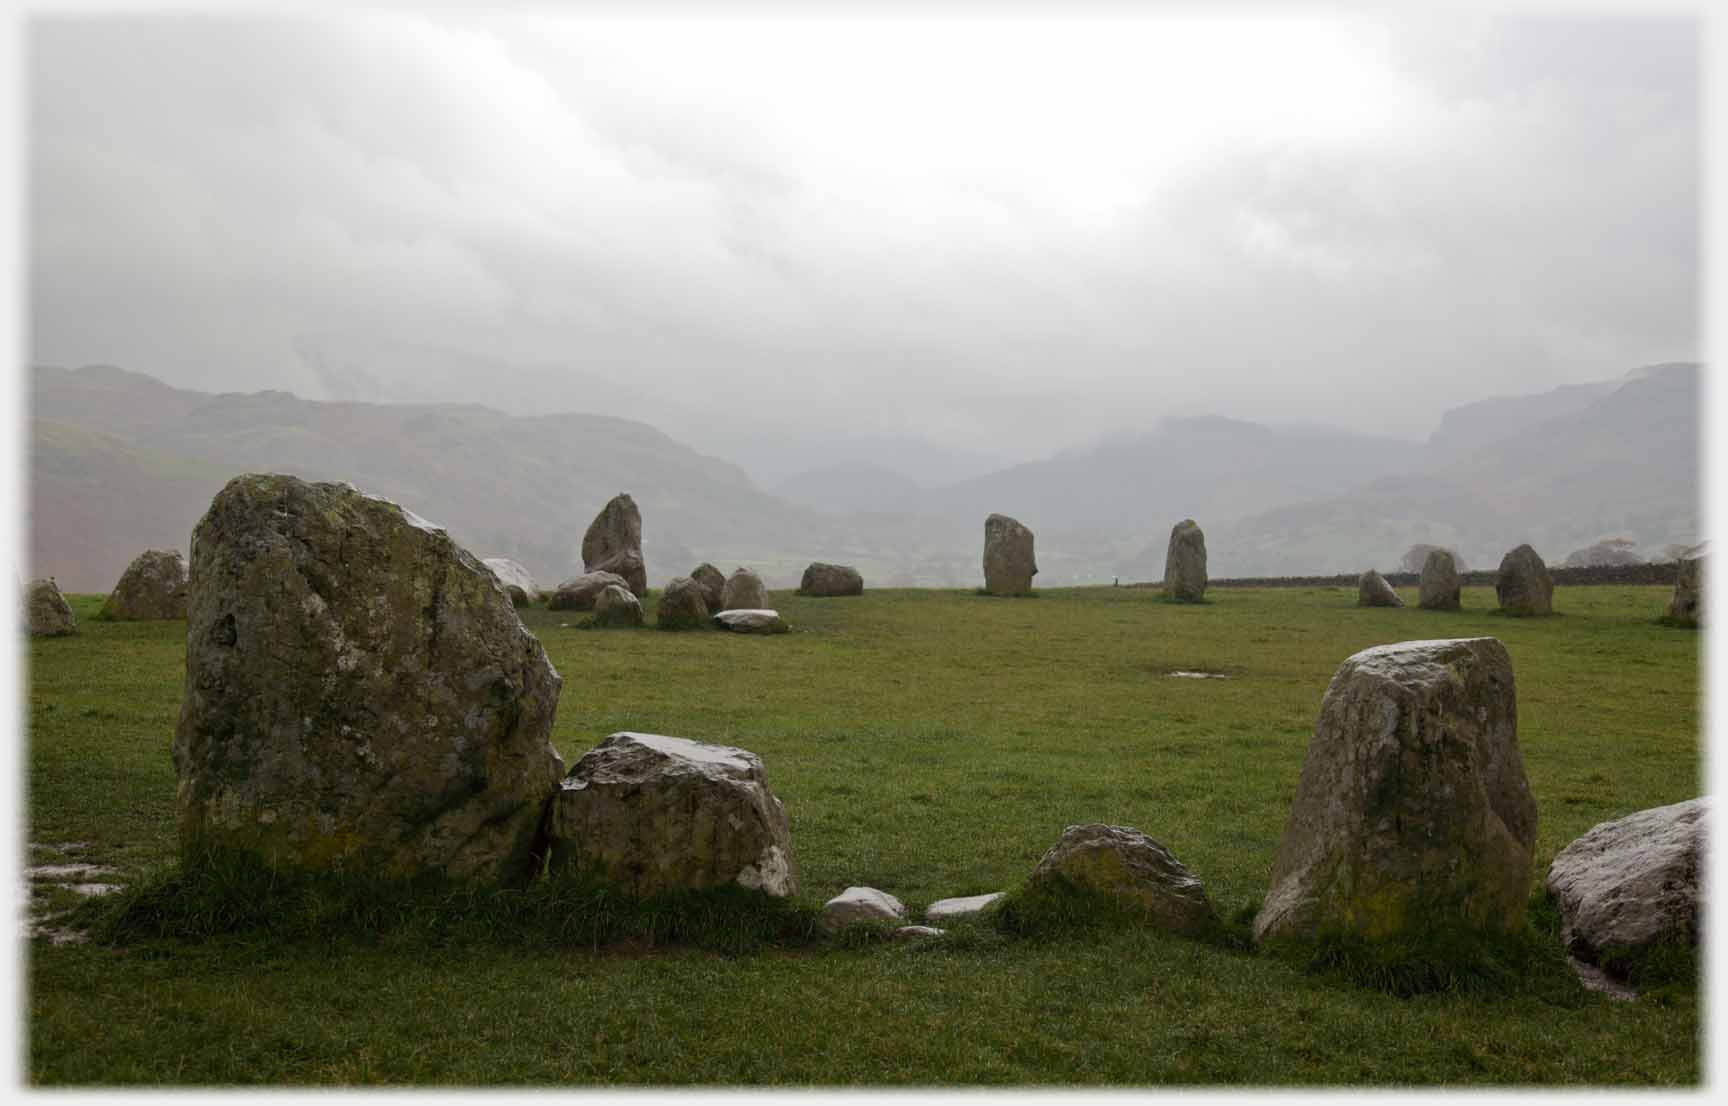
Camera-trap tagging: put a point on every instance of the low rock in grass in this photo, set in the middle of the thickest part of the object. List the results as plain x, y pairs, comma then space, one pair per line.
915, 933
1372, 590
518, 584
579, 593
743, 592
617, 607
1439, 588
651, 814
752, 622
823, 580
1630, 886
1133, 871
713, 584
682, 606
152, 587
1523, 584
969, 906
46, 612
860, 905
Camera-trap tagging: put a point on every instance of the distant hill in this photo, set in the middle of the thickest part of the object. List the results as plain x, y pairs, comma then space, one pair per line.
851, 488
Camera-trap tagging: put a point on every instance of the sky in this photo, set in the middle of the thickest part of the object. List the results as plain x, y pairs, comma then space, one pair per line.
1011, 232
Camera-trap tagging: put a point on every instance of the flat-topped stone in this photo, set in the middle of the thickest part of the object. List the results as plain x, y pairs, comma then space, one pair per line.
966, 906
859, 905
752, 622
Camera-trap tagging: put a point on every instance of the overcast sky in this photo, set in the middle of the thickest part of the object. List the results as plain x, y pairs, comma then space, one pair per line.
1009, 232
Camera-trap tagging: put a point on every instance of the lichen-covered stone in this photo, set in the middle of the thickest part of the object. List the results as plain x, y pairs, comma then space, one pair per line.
152, 587
617, 607
1523, 584
1185, 563
829, 580
359, 693
1439, 588
743, 591
613, 543
518, 584
713, 584
1687, 605
1131, 868
652, 814
579, 593
46, 612
682, 606
1009, 560
860, 905
1372, 590
1412, 810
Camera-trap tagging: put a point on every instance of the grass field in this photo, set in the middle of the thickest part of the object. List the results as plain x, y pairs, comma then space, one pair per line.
929, 743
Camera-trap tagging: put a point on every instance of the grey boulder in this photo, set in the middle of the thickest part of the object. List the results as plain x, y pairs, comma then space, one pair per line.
1185, 562
613, 543
46, 612
152, 587
1009, 563
860, 905
752, 622
1687, 605
1439, 588
617, 608
1131, 868
829, 580
743, 591
579, 593
515, 580
1372, 590
712, 582
1523, 584
682, 606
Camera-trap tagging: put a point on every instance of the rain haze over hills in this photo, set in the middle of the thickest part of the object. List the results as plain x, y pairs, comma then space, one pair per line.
837, 285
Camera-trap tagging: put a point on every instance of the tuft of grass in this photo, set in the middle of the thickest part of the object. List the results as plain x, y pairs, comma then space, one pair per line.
1033, 594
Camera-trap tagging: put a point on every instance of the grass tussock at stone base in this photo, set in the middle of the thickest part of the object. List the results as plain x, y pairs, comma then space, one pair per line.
1057, 909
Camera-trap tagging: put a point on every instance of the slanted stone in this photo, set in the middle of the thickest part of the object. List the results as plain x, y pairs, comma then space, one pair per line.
152, 587
46, 612
713, 584
580, 592
682, 606
613, 543
1439, 588
1185, 563
830, 580
651, 814
860, 905
617, 607
752, 622
1372, 590
1687, 605
515, 580
360, 696
1632, 883
1412, 810
1523, 585
967, 906
743, 591
1009, 563
1131, 868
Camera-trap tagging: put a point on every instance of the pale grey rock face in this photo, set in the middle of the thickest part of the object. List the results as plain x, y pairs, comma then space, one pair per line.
1439, 588
1687, 606
829, 580
857, 905
613, 543
46, 612
1633, 882
579, 593
752, 622
1412, 809
651, 814
713, 584
518, 584
1134, 869
915, 933
360, 695
1009, 563
1523, 585
682, 606
1185, 562
1372, 590
152, 587
617, 607
967, 906
743, 591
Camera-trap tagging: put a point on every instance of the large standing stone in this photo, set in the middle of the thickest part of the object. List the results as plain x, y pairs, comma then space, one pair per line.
359, 693
829, 580
1372, 590
751, 621
46, 612
617, 607
713, 584
518, 584
1009, 564
152, 587
1439, 588
652, 814
1185, 563
1687, 606
1630, 884
1412, 809
1523, 585
1131, 868
613, 543
682, 606
579, 593
743, 591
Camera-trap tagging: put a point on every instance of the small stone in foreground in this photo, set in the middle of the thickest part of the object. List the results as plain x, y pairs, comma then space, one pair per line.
752, 622
743, 592
682, 606
1372, 590
617, 607
152, 587
967, 906
830, 580
46, 612
857, 905
1131, 868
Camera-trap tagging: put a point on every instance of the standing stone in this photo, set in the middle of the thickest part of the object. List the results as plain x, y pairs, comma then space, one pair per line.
1439, 588
579, 593
743, 591
682, 606
1185, 563
1632, 883
152, 587
515, 579
1009, 564
713, 584
1412, 810
1372, 590
1523, 585
1687, 606
46, 611
614, 543
360, 695
859, 905
829, 580
651, 814
617, 607
1131, 868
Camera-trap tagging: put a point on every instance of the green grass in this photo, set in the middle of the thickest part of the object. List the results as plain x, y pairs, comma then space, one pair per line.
929, 743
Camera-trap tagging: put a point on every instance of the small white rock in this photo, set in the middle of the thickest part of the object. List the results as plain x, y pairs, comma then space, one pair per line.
966, 907
860, 904
913, 933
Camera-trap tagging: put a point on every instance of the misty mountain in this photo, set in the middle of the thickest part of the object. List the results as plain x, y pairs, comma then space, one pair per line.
851, 489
